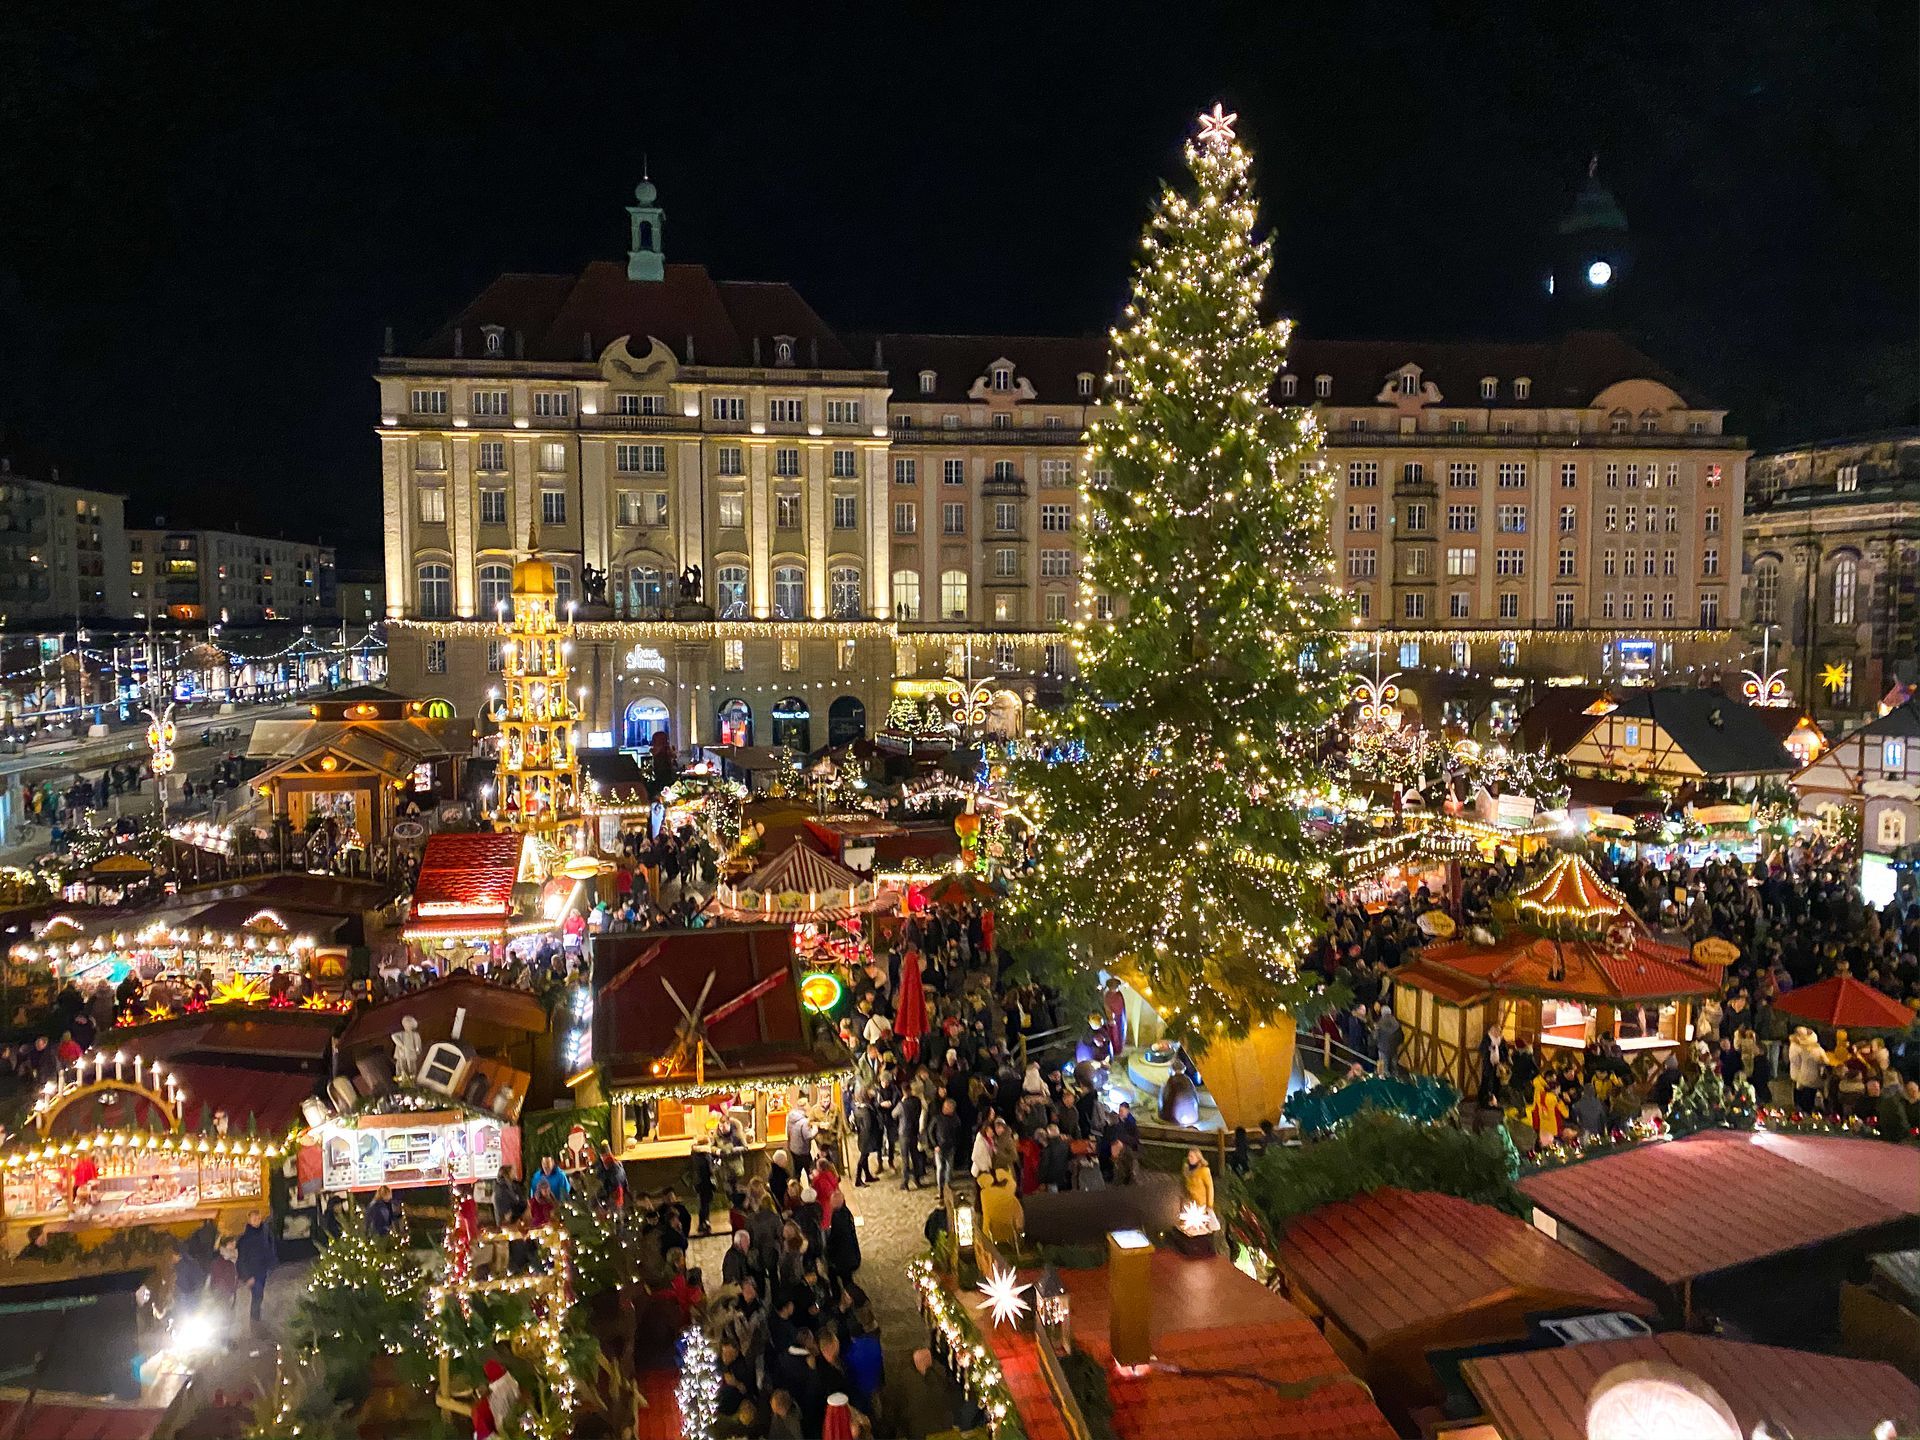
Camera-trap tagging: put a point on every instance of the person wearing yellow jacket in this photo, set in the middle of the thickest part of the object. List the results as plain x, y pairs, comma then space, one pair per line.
1198, 1178
1549, 1114
1002, 1218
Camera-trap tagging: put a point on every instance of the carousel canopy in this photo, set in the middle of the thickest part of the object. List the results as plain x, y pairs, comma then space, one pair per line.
1845, 1003
1569, 892
798, 885
1591, 972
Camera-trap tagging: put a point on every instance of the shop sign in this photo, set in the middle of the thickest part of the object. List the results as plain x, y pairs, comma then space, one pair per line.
644, 658
404, 1152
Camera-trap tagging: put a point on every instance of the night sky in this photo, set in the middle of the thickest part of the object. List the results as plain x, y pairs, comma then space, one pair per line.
211, 213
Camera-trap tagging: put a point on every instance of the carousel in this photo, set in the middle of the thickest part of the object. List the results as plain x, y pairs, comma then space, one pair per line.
1574, 965
830, 907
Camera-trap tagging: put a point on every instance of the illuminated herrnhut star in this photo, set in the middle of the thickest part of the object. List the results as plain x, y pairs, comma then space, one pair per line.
1216, 126
1004, 1296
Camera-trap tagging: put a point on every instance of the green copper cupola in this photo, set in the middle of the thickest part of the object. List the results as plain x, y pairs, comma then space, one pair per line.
646, 221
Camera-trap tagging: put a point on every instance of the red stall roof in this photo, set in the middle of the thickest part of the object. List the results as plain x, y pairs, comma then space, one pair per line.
1845, 1003
1685, 1208
1392, 1260
76, 1418
1542, 1394
467, 876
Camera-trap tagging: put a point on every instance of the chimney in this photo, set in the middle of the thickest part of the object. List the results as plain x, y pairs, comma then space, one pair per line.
458, 347
689, 347
586, 345
386, 341
519, 345
813, 352
756, 350
878, 362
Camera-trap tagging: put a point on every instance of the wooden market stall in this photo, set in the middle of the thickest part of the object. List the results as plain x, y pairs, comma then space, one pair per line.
1575, 964
474, 892
829, 906
691, 1025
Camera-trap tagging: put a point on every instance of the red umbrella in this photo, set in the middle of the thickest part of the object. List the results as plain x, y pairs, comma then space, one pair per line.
1845, 1003
910, 1014
839, 1422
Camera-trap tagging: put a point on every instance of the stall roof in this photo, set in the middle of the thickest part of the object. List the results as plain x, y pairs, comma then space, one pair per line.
1392, 1261
322, 893
270, 1038
434, 1007
1207, 1316
467, 877
231, 917
74, 1417
1542, 1394
1685, 1208
1844, 1002
1525, 962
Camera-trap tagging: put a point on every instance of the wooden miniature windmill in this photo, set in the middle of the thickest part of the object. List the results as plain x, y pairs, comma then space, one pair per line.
691, 1045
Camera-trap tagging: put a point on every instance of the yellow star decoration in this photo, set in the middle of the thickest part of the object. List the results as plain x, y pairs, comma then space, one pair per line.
1004, 1296
1835, 677
1216, 126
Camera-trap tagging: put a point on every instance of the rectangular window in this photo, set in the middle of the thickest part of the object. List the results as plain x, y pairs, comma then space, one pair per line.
1709, 561
1363, 474
1006, 563
1512, 475
496, 657
786, 510
1414, 606
845, 465
1709, 610
783, 410
1462, 561
553, 457
436, 657
1459, 606
1510, 562
734, 655
1607, 564
1673, 520
733, 511
1563, 608
493, 505
429, 402
1893, 754
1463, 519
1513, 519
1611, 519
1417, 561
1056, 603
1567, 562
729, 460
906, 517
1362, 564
1363, 605
1569, 476
1056, 518
1417, 518
626, 459
1653, 515
1613, 475
1103, 607
1673, 474
493, 455
653, 459
1607, 606
1666, 606
1628, 610
1363, 517
1569, 519
953, 472
786, 461
1413, 473
1463, 475
1006, 517
552, 404
728, 407
789, 654
653, 404
953, 519
430, 455
626, 404
1056, 564
843, 412
1056, 474
1669, 564
553, 507
846, 512
1630, 563
489, 402
906, 472
433, 507
1631, 524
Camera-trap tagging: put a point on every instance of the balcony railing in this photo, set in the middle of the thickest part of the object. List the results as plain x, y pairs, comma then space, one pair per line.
1541, 440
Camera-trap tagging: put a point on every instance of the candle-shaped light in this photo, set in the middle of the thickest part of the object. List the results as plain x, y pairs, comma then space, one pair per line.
119, 1059
139, 1068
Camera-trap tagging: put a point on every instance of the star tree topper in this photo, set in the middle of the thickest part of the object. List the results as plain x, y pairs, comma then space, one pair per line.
1004, 1296
1216, 126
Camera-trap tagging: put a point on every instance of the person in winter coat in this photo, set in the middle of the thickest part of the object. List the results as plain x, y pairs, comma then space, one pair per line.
843, 1244
1198, 1178
1056, 1160
256, 1259
1806, 1066
556, 1178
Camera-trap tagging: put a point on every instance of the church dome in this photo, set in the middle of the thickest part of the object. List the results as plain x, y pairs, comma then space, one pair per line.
1594, 208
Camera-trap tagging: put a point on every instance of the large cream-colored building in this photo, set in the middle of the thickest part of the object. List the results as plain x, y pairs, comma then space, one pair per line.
865, 508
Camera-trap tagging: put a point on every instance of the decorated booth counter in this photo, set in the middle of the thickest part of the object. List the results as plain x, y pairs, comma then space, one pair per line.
696, 1027
1575, 963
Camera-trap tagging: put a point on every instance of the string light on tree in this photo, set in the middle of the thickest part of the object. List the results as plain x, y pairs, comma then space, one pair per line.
1173, 856
699, 1390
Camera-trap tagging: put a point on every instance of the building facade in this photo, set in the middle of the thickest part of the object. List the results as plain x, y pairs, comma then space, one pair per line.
1514, 515
1832, 568
63, 552
869, 508
217, 577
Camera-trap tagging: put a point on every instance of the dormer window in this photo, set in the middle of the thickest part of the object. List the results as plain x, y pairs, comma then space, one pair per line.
1522, 388
1409, 382
1489, 388
783, 349
496, 337
1619, 422
1323, 386
927, 378
1289, 386
1083, 382
1846, 479
1002, 378
1649, 423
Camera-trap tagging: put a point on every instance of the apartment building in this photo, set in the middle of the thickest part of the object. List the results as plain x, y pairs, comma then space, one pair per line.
63, 552
864, 508
218, 577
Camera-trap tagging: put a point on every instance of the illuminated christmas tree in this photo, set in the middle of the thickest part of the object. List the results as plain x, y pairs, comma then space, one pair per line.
699, 1390
539, 769
1176, 854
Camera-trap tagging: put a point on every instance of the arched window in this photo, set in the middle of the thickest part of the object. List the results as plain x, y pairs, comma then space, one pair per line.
734, 721
1846, 580
927, 380
1002, 378
1084, 383
646, 589
1323, 386
793, 724
436, 591
645, 718
1891, 831
953, 594
1766, 591
906, 594
789, 592
1289, 386
562, 588
496, 588
844, 581
730, 591
1489, 387
846, 721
